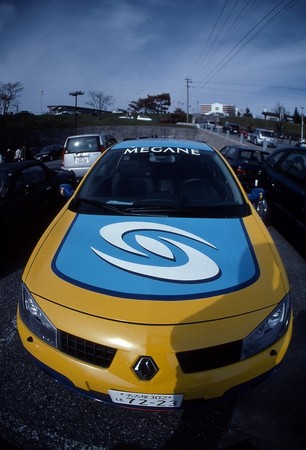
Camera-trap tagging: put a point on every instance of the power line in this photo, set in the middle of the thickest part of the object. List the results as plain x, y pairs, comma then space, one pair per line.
233, 53
207, 49
263, 23
242, 13
246, 39
214, 47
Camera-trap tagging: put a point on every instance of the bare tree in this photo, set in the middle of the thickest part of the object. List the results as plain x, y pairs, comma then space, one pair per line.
99, 101
9, 94
281, 110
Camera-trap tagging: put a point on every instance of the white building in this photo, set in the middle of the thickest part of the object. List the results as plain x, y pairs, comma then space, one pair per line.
218, 109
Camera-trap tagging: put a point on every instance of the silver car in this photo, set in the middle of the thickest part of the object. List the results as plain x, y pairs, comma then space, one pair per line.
260, 135
80, 152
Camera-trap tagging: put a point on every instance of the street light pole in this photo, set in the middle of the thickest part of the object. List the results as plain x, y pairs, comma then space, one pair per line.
75, 95
41, 100
302, 123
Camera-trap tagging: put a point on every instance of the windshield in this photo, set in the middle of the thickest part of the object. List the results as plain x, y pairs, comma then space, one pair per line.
172, 181
253, 156
83, 144
267, 133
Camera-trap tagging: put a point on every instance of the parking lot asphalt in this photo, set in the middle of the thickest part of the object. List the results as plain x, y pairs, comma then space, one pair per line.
38, 413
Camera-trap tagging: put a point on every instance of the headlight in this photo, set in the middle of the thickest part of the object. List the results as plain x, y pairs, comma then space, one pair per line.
35, 319
269, 331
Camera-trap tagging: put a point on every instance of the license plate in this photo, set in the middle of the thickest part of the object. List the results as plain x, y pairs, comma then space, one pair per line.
81, 159
146, 400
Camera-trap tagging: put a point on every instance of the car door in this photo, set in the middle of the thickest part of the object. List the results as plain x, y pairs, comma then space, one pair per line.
287, 189
32, 193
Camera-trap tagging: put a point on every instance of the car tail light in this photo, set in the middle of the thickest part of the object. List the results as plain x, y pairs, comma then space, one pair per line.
102, 148
62, 157
241, 171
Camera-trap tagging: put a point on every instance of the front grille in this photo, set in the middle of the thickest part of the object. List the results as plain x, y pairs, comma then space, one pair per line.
97, 354
210, 358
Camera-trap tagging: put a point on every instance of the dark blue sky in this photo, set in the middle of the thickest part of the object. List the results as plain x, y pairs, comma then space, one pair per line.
250, 53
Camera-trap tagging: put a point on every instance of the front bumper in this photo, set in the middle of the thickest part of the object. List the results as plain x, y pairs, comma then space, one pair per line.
170, 379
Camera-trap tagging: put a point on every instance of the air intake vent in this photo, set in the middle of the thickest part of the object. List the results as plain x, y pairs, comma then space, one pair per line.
210, 358
97, 354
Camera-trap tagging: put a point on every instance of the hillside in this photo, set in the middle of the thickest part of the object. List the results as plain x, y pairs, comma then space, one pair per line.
35, 131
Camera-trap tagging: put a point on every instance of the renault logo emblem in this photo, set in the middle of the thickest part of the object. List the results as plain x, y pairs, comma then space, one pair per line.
145, 368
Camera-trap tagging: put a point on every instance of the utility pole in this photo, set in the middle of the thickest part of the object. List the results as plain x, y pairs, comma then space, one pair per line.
188, 81
302, 123
75, 95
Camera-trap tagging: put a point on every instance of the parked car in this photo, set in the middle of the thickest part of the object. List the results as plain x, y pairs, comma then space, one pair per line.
246, 163
126, 117
260, 135
283, 176
208, 124
232, 128
29, 191
81, 151
118, 111
157, 283
49, 153
301, 144
143, 117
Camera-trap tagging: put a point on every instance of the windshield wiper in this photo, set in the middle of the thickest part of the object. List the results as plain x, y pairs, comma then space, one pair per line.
100, 205
167, 210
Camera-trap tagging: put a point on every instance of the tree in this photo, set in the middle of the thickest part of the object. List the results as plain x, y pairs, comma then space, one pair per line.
161, 103
179, 115
9, 94
296, 116
155, 104
99, 101
281, 110
247, 113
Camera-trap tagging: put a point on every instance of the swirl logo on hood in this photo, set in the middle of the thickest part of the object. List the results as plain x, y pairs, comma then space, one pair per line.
197, 266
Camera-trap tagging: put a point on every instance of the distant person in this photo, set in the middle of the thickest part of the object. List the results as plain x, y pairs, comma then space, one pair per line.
24, 152
18, 155
9, 157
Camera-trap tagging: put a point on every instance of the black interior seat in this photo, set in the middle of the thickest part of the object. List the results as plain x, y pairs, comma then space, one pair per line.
131, 180
197, 190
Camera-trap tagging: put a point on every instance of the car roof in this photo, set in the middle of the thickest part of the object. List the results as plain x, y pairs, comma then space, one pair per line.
164, 142
17, 166
292, 148
47, 148
264, 129
244, 147
89, 135
84, 135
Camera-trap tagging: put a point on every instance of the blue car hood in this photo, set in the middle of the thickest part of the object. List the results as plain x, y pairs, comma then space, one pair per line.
156, 258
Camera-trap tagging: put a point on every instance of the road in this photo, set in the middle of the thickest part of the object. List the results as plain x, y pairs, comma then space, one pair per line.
240, 140
38, 413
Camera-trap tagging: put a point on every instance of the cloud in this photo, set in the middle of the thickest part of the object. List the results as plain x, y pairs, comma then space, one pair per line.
7, 15
129, 48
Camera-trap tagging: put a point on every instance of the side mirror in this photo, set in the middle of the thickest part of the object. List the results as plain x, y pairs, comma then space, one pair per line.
257, 198
66, 190
256, 195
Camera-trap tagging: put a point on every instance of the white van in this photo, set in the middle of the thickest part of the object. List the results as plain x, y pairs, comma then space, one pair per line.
81, 151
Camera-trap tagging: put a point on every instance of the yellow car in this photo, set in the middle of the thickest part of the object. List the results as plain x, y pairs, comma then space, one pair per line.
157, 283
